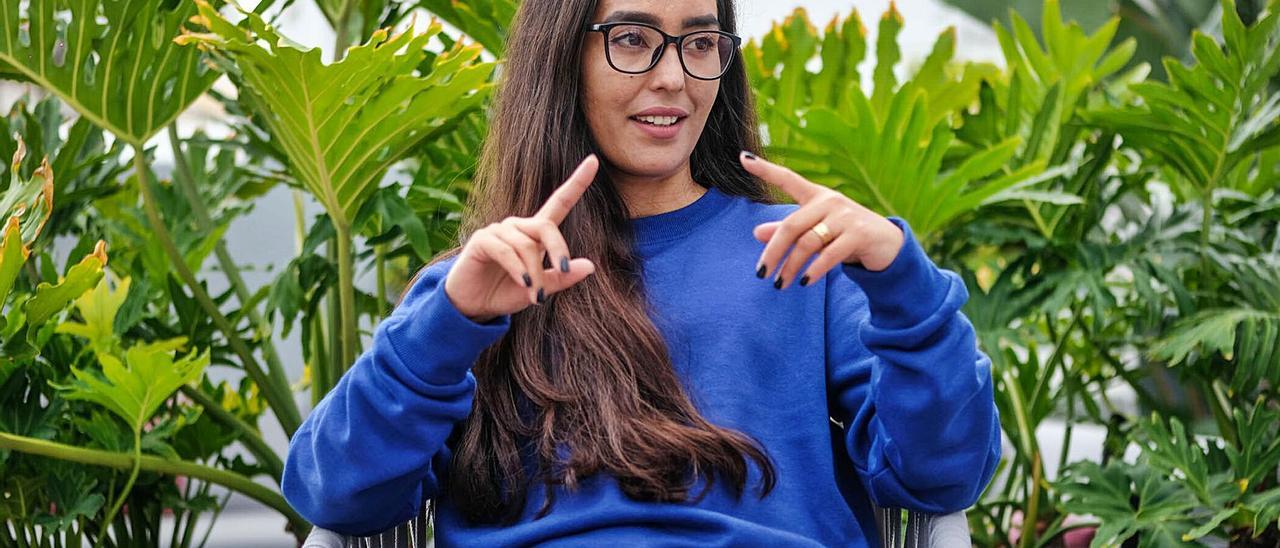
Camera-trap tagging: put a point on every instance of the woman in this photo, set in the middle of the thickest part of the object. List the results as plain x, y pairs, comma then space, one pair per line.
632, 394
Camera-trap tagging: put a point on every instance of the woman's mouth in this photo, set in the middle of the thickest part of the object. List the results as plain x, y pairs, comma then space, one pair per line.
659, 127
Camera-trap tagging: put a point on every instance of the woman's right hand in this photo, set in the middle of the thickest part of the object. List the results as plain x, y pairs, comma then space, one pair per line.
499, 270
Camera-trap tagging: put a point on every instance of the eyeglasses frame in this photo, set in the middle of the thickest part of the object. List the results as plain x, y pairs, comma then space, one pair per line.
604, 28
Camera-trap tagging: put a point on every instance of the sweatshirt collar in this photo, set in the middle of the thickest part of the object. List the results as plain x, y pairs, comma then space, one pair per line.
671, 225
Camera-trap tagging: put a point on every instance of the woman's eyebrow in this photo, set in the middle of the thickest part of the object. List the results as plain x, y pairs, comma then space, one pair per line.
649, 18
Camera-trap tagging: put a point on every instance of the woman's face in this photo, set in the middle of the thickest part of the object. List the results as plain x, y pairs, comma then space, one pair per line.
621, 108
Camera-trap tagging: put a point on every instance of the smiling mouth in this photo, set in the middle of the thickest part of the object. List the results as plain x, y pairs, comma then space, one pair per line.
659, 121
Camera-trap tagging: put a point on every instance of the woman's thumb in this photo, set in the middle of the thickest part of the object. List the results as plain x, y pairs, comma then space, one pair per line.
579, 269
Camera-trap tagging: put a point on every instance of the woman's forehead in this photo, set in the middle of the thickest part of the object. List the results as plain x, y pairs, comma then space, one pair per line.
674, 14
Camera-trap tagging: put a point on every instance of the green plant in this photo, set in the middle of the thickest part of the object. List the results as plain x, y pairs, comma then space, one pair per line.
888, 150
97, 347
338, 138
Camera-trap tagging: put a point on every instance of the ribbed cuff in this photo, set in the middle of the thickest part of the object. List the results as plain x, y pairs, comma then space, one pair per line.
434, 339
908, 291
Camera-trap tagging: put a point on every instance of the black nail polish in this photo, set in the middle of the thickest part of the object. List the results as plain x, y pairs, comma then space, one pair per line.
528, 282
777, 284
760, 272
804, 280
748, 155
564, 264
541, 298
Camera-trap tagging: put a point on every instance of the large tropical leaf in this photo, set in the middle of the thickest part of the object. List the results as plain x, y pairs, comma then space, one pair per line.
785, 87
1129, 500
892, 148
1247, 335
485, 21
134, 388
113, 61
1213, 116
896, 167
342, 125
1048, 81
1161, 27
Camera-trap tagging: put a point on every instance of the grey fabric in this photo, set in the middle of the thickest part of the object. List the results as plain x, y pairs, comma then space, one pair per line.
950, 531
321, 538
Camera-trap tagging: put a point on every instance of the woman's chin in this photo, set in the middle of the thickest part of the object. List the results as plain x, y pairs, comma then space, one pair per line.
652, 162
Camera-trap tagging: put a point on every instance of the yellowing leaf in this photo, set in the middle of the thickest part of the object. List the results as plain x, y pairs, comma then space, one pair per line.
98, 307
135, 388
51, 299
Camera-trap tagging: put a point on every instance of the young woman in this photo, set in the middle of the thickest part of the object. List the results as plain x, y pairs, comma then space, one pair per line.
612, 356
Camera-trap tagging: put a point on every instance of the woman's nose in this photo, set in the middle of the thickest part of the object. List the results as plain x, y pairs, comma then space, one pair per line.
668, 74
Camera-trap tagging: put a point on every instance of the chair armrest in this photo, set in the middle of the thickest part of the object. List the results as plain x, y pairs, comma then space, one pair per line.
324, 538
950, 531
410, 534
922, 530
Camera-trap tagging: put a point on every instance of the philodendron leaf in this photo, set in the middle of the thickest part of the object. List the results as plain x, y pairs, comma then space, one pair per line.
12, 256
32, 198
135, 388
25, 206
342, 125
98, 307
51, 299
485, 21
113, 61
1129, 499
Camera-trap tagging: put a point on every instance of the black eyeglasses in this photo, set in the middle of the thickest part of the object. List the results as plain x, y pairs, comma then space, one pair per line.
634, 48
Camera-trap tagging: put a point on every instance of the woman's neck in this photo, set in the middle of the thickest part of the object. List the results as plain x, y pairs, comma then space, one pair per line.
646, 196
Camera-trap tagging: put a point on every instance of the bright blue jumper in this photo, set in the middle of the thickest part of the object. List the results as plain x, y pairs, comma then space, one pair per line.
888, 355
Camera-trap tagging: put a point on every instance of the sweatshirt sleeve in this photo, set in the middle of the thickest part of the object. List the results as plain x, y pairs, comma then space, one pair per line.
908, 382
361, 460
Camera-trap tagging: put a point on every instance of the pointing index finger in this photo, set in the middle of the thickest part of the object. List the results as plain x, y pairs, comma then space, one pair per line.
789, 181
568, 193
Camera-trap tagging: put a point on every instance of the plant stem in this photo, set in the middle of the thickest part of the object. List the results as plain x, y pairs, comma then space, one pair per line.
334, 324
280, 399
245, 434
128, 485
380, 265
1221, 405
122, 461
186, 183
1033, 504
321, 381
346, 297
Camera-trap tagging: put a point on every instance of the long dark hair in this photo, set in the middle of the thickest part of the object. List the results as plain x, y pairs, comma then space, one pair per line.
587, 372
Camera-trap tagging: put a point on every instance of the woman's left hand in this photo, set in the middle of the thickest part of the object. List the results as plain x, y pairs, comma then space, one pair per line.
856, 235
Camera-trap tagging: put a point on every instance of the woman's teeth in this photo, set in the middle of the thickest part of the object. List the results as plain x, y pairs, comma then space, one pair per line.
658, 120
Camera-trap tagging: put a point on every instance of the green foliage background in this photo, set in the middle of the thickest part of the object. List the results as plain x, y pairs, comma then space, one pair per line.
1109, 196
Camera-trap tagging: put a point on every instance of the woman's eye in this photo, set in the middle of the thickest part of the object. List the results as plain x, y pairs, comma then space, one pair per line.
702, 44
630, 39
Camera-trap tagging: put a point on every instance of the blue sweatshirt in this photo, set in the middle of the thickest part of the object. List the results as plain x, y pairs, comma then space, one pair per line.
888, 355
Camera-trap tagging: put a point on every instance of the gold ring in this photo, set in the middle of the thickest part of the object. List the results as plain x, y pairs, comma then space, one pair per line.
823, 232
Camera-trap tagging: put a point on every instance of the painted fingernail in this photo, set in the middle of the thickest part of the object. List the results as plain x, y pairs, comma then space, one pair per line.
748, 155
541, 297
804, 280
528, 282
564, 264
777, 284
760, 272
